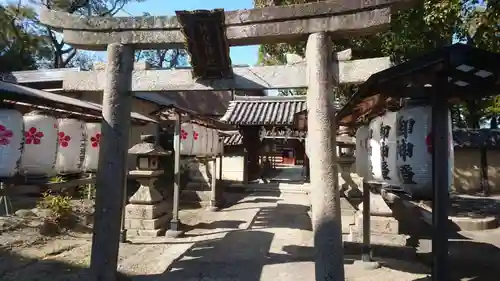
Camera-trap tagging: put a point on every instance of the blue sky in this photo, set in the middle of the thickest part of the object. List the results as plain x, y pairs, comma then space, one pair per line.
239, 55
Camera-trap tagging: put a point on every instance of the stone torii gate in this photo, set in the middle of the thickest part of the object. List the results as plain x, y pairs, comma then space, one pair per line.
121, 36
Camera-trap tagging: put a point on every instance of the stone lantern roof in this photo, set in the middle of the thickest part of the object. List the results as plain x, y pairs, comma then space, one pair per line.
148, 146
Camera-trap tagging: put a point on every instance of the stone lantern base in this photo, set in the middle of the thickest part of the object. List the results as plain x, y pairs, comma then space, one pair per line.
148, 213
350, 183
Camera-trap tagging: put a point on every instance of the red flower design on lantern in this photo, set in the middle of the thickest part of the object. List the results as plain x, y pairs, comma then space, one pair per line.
64, 139
5, 135
195, 135
428, 142
33, 136
95, 140
184, 134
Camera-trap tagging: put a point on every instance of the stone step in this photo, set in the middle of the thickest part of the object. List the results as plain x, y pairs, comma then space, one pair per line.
377, 238
467, 223
380, 249
385, 225
276, 187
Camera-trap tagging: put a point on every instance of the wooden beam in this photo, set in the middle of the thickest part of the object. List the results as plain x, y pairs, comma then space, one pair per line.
243, 27
246, 78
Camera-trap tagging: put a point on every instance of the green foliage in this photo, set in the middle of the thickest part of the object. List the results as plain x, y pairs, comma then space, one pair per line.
86, 191
65, 56
59, 205
21, 42
57, 179
414, 32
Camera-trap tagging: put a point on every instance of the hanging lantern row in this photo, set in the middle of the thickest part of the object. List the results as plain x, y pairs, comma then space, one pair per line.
38, 144
197, 140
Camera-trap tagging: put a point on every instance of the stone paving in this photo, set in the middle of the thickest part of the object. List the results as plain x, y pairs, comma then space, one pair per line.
262, 237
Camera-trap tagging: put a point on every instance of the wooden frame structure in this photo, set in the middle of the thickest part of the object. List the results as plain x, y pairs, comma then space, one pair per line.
179, 115
25, 97
315, 21
444, 76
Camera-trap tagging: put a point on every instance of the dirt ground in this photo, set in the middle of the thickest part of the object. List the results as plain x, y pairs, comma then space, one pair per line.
260, 237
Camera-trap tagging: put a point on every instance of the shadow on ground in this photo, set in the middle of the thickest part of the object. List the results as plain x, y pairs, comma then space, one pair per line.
468, 259
245, 255
248, 255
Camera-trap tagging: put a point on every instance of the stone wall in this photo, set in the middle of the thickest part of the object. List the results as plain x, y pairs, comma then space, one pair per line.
466, 174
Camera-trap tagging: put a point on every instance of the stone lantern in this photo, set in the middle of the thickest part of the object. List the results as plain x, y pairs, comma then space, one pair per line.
147, 213
148, 154
349, 182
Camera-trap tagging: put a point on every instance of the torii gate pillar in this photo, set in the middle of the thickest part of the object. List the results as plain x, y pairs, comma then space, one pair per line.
112, 173
324, 182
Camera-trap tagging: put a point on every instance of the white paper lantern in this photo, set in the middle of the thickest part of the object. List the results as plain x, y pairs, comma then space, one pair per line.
414, 158
362, 151
209, 140
388, 151
92, 146
221, 147
198, 138
71, 139
215, 142
11, 141
203, 133
375, 163
40, 145
186, 137
307, 146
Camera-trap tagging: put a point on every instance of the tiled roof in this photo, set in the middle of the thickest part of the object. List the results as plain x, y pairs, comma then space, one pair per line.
463, 138
233, 140
264, 110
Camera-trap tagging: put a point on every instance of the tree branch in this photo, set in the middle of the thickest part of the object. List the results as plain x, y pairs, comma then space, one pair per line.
65, 61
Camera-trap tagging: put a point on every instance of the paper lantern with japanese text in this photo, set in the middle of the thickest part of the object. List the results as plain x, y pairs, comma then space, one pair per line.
414, 151
375, 163
92, 147
11, 141
362, 152
40, 144
71, 139
388, 150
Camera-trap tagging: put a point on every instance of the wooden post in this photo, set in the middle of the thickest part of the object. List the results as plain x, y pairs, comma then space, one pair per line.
213, 187
441, 183
111, 175
329, 260
485, 185
175, 226
221, 156
366, 254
